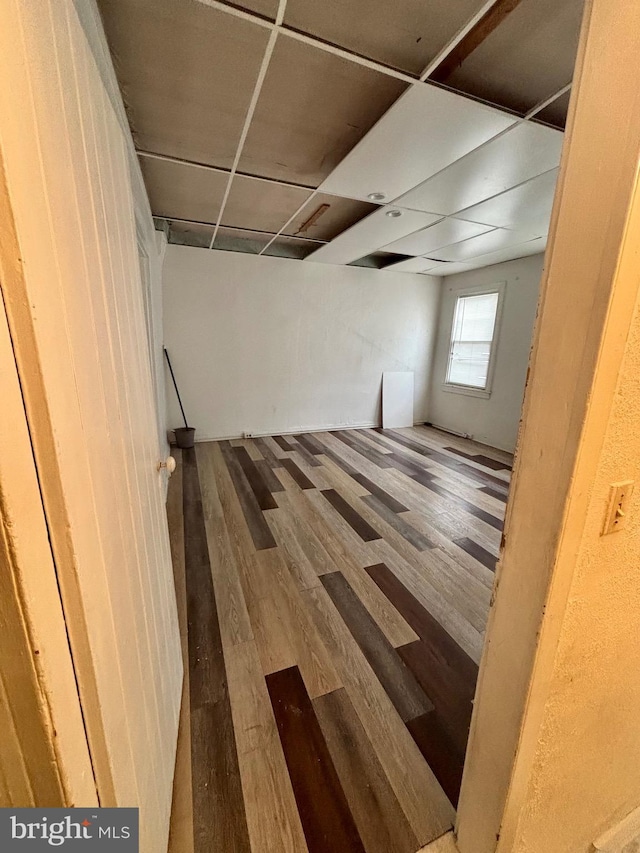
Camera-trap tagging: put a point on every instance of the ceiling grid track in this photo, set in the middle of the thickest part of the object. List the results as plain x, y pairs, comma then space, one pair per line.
266, 59
407, 132
380, 67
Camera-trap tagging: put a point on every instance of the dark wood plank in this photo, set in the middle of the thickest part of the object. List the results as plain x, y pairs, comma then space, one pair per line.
481, 30
494, 493
269, 456
446, 461
413, 536
254, 478
477, 551
450, 696
456, 663
364, 530
440, 752
365, 482
310, 443
382, 496
351, 439
282, 442
299, 476
469, 507
396, 678
381, 822
481, 459
324, 812
270, 478
219, 820
308, 457
256, 522
372, 435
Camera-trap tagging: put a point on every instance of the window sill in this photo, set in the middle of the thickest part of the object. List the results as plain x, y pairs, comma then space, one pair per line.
483, 393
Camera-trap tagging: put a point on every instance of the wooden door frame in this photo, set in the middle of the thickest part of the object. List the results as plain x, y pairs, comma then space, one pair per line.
588, 297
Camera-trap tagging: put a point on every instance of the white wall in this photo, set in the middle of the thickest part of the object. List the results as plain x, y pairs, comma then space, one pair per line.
492, 420
271, 345
151, 242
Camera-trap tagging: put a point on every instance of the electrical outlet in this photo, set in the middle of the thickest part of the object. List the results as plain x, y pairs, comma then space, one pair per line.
618, 507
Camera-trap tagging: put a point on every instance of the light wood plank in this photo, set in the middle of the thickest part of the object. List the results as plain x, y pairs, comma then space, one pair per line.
426, 807
272, 817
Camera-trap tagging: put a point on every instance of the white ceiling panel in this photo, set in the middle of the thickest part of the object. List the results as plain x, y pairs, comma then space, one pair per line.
526, 207
436, 236
492, 241
521, 250
426, 130
522, 153
410, 265
370, 234
448, 269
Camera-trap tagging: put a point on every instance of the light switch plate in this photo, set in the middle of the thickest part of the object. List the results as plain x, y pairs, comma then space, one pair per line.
618, 506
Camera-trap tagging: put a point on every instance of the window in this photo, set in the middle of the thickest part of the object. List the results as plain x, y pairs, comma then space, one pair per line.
472, 341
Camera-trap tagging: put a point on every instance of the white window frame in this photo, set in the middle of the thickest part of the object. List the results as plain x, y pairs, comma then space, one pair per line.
478, 290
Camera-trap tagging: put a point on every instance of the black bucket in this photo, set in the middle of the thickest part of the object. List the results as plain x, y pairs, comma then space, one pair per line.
185, 437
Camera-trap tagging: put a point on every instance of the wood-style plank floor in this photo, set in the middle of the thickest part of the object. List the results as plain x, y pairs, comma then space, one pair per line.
333, 590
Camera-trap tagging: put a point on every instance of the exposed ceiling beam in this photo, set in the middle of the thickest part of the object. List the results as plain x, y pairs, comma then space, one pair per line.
483, 28
439, 58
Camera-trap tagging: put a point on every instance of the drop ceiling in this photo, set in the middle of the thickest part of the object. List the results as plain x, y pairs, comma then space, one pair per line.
266, 126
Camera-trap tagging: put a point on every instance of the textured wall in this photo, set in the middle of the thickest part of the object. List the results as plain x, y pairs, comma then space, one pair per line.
269, 345
493, 420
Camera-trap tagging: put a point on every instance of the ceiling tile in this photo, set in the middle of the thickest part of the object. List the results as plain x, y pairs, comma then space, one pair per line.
405, 34
375, 260
336, 215
527, 58
187, 74
492, 241
426, 130
264, 8
521, 153
527, 206
435, 236
448, 269
520, 250
260, 205
411, 265
370, 234
313, 108
290, 247
188, 234
238, 240
181, 191
556, 113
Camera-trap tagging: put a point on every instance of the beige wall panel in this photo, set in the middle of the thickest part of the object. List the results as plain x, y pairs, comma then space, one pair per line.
78, 321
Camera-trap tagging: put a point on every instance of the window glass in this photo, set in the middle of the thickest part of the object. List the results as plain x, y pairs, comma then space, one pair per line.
472, 333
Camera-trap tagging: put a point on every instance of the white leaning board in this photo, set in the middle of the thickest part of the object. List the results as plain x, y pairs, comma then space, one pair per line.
397, 399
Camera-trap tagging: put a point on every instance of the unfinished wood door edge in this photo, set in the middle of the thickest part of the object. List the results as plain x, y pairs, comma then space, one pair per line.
20, 323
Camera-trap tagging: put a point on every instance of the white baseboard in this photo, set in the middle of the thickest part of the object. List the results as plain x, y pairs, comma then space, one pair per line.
200, 437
